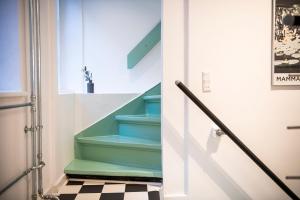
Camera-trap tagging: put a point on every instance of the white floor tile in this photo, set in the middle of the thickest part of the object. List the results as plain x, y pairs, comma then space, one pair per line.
153, 188
136, 196
70, 189
88, 196
113, 188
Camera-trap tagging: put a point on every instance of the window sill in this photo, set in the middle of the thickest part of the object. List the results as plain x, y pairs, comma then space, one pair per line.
13, 94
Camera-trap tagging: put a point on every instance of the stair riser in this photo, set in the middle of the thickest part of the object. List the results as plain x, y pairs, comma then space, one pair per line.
153, 108
145, 131
133, 157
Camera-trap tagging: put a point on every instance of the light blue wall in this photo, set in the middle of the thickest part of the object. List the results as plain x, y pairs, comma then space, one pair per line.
10, 75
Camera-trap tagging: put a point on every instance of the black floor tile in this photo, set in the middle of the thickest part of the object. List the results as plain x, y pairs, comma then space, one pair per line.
154, 195
91, 189
67, 196
135, 188
112, 196
75, 182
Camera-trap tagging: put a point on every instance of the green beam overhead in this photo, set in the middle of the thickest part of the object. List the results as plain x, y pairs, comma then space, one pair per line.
144, 46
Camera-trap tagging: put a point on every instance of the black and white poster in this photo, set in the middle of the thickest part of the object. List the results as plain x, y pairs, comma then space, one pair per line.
286, 42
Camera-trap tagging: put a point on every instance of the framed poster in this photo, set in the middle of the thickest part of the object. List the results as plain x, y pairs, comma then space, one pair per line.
286, 42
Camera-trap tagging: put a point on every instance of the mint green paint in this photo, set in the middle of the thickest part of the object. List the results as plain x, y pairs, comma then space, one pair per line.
125, 140
144, 46
133, 157
85, 167
121, 141
152, 98
153, 105
139, 119
150, 131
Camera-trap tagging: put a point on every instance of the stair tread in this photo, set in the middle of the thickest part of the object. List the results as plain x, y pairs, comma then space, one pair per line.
86, 167
152, 97
155, 119
120, 140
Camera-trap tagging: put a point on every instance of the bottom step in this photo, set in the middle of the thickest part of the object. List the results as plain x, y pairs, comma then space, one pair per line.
86, 167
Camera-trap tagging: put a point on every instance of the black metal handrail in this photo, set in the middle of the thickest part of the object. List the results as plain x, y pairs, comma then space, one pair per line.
237, 141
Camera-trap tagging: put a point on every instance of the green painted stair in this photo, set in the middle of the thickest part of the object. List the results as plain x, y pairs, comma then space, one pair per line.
142, 126
125, 143
152, 106
86, 167
121, 150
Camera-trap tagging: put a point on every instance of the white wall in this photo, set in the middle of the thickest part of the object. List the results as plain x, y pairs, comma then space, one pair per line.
89, 108
232, 41
174, 154
111, 29
15, 149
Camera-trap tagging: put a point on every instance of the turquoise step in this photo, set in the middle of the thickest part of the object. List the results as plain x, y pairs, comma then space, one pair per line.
152, 104
85, 167
141, 126
118, 149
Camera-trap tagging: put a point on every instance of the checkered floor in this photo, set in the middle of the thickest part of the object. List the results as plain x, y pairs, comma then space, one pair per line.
102, 190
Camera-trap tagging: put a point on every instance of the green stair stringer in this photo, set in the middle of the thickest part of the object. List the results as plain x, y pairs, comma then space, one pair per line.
127, 142
144, 46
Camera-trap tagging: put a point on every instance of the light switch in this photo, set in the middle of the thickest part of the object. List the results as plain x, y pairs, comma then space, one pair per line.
205, 82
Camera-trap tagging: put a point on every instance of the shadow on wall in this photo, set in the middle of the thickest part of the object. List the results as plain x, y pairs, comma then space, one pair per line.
204, 160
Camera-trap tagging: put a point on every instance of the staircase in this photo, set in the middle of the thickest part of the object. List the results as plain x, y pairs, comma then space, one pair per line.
126, 143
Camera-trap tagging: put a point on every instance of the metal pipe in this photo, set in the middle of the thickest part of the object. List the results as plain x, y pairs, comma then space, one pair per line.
39, 99
15, 180
21, 176
237, 141
38, 94
15, 106
32, 9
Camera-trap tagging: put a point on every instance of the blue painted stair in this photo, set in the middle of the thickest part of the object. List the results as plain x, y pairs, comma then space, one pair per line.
125, 143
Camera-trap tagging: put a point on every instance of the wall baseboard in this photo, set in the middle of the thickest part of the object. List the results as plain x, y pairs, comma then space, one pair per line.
58, 184
176, 197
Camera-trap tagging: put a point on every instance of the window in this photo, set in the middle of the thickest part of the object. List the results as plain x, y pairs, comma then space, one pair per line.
10, 46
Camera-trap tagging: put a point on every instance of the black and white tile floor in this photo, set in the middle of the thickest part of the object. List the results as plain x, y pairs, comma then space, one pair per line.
104, 190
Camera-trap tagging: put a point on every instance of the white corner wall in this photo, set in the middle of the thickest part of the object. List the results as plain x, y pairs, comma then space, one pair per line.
15, 149
100, 35
232, 41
